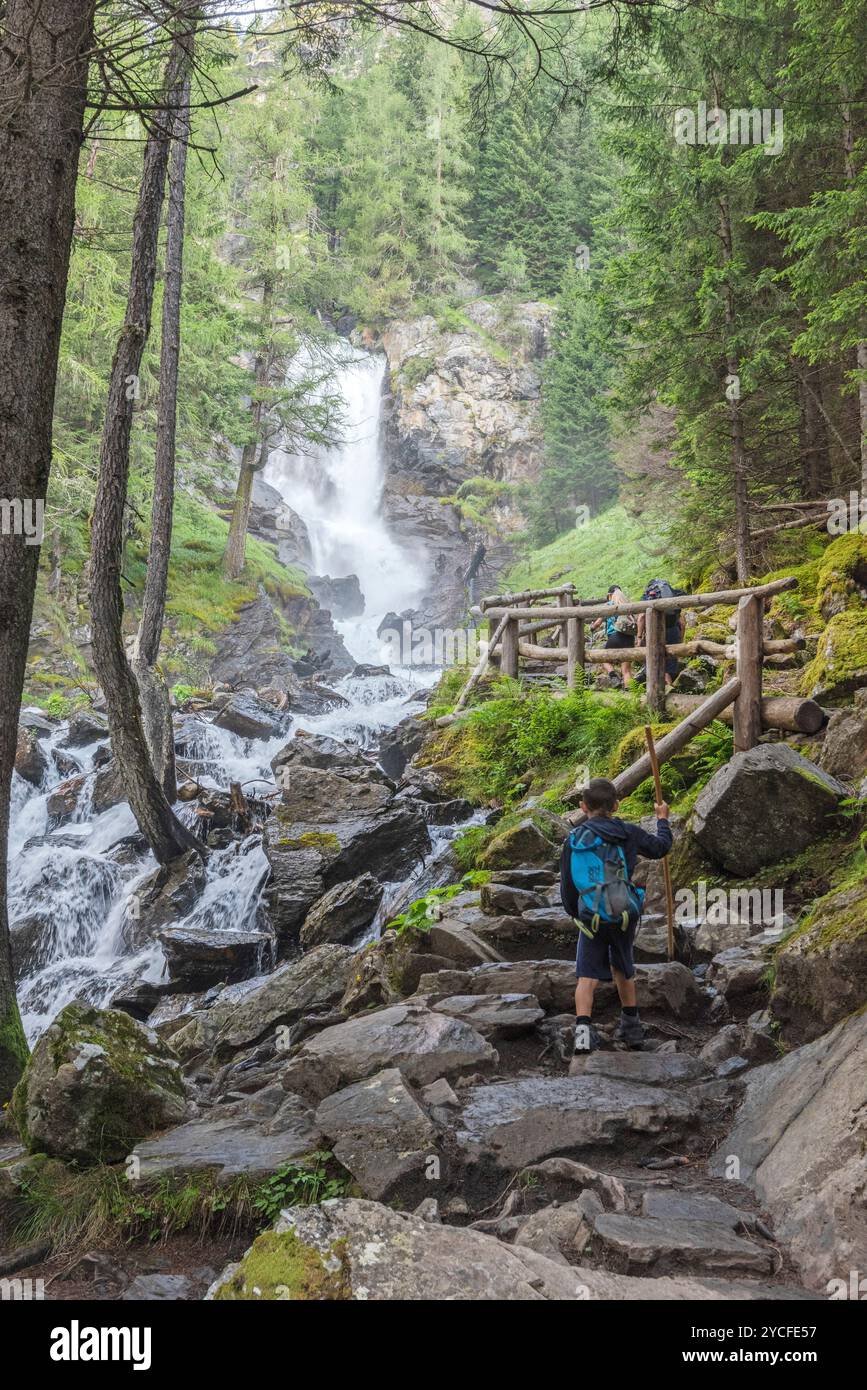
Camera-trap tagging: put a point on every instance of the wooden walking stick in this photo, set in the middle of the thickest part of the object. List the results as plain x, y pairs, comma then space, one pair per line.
666, 869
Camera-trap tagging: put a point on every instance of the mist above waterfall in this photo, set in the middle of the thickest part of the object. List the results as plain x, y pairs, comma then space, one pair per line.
338, 491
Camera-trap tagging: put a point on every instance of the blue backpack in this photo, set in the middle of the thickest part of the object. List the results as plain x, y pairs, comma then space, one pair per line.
601, 881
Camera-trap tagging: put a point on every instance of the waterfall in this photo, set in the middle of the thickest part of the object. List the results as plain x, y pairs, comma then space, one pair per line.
72, 886
338, 492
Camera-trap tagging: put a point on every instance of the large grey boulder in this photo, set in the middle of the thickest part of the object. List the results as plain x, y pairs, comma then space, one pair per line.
844, 749
197, 957
513, 1123
252, 1138
319, 751
705, 1245
494, 1015
798, 1140
552, 982
319, 795
246, 1013
389, 842
821, 970
765, 805
296, 883
95, 1082
349, 1249
423, 1044
249, 718
380, 1133
30, 761
342, 912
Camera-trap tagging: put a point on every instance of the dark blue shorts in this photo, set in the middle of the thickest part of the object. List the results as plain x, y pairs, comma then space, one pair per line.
610, 947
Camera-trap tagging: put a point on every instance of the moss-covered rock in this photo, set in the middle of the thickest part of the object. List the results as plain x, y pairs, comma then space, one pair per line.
840, 664
842, 575
523, 843
821, 969
280, 1266
95, 1083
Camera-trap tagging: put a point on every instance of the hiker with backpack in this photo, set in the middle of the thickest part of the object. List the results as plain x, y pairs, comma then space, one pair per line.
596, 889
674, 626
620, 631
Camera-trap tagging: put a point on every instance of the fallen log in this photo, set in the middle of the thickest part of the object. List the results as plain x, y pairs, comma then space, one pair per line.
788, 712
480, 669
709, 710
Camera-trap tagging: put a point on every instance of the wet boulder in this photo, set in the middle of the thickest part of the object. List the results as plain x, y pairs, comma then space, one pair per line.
319, 751
737, 818
165, 897
197, 957
296, 882
251, 1138
96, 1082
62, 803
85, 726
318, 795
388, 842
343, 912
31, 938
30, 761
108, 789
398, 745
249, 718
342, 596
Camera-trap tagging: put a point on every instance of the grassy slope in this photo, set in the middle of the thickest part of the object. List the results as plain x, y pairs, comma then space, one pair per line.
613, 548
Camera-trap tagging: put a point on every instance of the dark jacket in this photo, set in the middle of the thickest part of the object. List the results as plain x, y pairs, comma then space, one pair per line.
634, 840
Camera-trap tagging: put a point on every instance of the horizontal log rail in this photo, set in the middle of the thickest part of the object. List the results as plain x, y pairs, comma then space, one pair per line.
607, 610
699, 647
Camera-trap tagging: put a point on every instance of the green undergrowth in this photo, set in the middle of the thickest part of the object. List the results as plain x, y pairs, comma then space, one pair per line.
75, 1210
523, 739
612, 548
421, 914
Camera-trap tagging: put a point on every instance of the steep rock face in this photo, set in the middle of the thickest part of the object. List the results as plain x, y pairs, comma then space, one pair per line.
799, 1140
464, 405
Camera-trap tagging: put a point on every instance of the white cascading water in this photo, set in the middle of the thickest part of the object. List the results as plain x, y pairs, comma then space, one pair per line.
77, 881
338, 492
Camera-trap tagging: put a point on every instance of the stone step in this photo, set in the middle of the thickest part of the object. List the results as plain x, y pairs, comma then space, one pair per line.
706, 1245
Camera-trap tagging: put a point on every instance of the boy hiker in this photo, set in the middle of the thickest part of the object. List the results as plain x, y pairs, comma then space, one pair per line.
596, 868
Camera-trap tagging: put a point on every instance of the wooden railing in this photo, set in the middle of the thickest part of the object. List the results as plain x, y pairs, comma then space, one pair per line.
516, 617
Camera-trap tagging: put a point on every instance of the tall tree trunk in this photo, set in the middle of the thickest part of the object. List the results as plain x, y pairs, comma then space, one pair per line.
812, 432
235, 554
155, 702
166, 835
861, 349
43, 78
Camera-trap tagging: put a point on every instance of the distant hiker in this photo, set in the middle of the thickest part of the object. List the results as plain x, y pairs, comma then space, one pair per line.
620, 631
596, 890
674, 626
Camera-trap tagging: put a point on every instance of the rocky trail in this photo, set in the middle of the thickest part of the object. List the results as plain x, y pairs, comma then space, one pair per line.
428, 1071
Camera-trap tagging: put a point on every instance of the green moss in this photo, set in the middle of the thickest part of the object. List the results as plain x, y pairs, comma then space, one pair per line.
13, 1049
280, 1266
325, 841
840, 664
842, 569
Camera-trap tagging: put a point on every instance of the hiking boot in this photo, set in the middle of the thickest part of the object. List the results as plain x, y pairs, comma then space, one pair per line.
587, 1040
630, 1031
